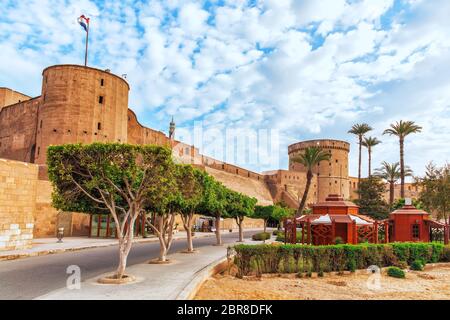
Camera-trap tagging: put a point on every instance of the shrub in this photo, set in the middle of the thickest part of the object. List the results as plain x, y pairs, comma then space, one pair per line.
261, 236
280, 236
417, 265
277, 232
295, 258
395, 272
338, 240
446, 254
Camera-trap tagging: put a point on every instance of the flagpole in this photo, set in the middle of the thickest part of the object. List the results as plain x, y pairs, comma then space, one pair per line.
87, 46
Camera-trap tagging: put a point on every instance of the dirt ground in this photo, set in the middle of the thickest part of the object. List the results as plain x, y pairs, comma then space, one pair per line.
430, 284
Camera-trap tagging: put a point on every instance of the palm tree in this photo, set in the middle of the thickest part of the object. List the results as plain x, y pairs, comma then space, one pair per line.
369, 143
311, 158
391, 173
359, 130
401, 129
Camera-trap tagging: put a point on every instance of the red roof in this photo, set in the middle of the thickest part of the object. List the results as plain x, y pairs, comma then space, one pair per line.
409, 209
334, 200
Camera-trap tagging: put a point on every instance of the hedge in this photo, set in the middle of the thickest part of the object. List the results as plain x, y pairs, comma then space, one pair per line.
294, 258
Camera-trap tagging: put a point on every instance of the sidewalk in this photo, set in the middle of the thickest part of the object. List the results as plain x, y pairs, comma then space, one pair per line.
153, 282
46, 246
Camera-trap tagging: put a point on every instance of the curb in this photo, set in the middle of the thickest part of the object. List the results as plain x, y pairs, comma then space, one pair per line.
190, 290
56, 251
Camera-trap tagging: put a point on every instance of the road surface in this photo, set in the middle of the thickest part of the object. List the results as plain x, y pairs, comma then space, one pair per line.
32, 277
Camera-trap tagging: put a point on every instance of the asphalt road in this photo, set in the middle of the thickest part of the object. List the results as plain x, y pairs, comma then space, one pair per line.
32, 277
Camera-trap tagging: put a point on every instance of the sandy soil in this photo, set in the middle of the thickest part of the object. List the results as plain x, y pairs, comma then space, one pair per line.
432, 283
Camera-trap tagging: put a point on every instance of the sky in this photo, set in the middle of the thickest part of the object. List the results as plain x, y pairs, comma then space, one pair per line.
283, 70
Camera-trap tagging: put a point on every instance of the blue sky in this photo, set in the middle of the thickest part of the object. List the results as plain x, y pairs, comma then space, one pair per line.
308, 69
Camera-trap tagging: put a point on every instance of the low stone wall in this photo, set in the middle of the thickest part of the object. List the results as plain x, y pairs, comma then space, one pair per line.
17, 202
47, 219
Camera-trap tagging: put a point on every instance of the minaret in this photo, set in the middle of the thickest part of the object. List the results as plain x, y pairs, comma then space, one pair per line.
172, 130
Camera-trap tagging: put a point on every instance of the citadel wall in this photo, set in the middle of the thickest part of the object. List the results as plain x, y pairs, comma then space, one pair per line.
138, 134
9, 97
83, 105
289, 186
332, 175
18, 183
251, 187
80, 105
18, 130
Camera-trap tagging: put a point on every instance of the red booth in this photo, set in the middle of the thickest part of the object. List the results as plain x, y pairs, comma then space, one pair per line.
335, 218
410, 224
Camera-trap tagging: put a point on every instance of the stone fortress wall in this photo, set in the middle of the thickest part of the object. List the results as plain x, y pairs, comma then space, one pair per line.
18, 182
331, 177
83, 105
9, 97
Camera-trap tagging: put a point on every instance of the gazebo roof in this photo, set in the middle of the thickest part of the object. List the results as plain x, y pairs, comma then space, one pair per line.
315, 219
409, 210
334, 200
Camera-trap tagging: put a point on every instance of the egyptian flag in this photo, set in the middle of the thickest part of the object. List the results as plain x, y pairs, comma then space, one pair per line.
84, 22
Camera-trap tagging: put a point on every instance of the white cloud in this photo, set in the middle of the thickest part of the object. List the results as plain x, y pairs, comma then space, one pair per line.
307, 68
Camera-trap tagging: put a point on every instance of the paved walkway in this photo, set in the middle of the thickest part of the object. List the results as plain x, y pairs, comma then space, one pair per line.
50, 245
154, 282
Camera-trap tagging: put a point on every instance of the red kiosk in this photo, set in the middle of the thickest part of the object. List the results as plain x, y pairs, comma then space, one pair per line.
336, 218
410, 224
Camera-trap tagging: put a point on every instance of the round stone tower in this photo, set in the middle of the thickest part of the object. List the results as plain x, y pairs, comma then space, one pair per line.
332, 176
80, 105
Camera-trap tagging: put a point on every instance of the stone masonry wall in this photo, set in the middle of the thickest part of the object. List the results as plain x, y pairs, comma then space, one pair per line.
47, 219
17, 198
8, 97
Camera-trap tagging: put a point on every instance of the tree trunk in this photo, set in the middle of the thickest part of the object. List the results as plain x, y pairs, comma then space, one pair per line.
359, 164
164, 230
187, 223
239, 222
402, 169
391, 193
370, 161
309, 177
122, 259
162, 250
125, 243
218, 236
265, 225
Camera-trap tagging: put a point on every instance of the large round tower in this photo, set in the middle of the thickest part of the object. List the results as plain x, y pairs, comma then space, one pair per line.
80, 105
332, 176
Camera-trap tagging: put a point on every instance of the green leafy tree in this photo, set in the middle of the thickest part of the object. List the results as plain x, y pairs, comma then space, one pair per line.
191, 183
402, 129
435, 190
282, 212
108, 178
309, 159
400, 203
369, 143
239, 206
264, 213
162, 208
390, 172
371, 198
213, 203
359, 130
